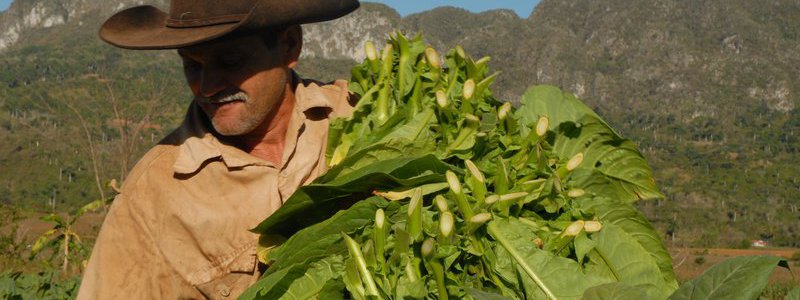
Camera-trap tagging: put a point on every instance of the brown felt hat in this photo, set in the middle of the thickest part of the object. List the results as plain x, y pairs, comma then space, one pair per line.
190, 22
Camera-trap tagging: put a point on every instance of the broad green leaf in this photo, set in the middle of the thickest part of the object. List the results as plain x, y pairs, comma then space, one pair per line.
415, 129
324, 238
629, 219
333, 290
407, 289
313, 281
373, 154
275, 280
581, 130
558, 106
743, 277
621, 255
316, 202
583, 245
626, 172
614, 291
298, 282
477, 294
544, 274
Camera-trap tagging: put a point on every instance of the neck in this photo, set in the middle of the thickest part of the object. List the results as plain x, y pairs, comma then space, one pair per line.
268, 140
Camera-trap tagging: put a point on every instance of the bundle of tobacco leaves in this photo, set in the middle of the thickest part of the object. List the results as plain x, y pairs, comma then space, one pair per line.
437, 190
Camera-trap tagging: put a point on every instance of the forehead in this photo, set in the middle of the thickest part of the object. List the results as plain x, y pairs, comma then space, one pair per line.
224, 46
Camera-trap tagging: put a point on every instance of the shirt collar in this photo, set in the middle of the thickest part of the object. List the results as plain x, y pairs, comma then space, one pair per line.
200, 145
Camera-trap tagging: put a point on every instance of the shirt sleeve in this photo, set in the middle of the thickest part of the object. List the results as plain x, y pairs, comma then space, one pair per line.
125, 262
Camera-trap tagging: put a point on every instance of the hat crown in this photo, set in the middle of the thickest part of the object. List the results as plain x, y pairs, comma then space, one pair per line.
197, 13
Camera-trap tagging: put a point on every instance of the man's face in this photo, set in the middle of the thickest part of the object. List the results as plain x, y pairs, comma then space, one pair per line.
238, 82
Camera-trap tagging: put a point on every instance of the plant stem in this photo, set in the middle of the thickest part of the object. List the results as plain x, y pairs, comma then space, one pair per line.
361, 264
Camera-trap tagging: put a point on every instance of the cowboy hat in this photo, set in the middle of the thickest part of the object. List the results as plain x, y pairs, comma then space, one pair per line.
190, 22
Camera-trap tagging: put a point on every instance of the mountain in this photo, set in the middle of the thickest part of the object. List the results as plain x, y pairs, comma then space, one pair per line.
707, 88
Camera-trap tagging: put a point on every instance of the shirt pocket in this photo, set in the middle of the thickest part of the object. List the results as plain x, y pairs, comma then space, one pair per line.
242, 273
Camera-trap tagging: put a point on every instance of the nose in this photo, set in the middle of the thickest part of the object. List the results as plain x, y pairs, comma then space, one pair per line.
211, 82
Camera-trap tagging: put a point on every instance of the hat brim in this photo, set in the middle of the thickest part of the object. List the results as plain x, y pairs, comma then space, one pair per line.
143, 28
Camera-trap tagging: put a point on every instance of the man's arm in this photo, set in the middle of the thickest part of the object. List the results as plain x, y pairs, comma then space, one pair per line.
125, 262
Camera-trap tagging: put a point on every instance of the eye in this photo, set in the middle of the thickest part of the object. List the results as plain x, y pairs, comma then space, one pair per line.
229, 62
190, 65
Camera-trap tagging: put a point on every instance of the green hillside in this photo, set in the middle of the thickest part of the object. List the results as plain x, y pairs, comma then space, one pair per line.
708, 89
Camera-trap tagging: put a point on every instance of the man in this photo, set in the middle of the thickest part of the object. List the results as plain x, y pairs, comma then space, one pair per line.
253, 134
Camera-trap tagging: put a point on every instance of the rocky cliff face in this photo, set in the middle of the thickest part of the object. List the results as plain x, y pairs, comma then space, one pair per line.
344, 38
25, 16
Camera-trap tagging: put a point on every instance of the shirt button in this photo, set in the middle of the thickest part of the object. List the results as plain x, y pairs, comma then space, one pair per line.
224, 291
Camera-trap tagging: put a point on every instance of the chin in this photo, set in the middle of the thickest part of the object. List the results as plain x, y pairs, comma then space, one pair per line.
230, 129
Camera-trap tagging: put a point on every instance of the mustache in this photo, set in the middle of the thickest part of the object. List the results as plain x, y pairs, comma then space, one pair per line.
223, 98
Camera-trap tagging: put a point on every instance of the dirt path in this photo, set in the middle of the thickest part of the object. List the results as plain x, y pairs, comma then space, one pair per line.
31, 226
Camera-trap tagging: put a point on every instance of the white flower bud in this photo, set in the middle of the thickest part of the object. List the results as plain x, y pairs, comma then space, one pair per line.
502, 112
592, 226
574, 162
369, 49
575, 193
441, 99
473, 169
542, 126
446, 223
427, 247
455, 184
433, 58
574, 229
469, 89
441, 203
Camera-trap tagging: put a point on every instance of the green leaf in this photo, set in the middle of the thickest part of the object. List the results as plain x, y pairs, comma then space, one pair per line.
298, 282
275, 280
623, 171
621, 255
324, 239
542, 273
315, 278
614, 291
742, 277
316, 202
477, 294
629, 219
407, 289
583, 244
333, 290
558, 106
414, 129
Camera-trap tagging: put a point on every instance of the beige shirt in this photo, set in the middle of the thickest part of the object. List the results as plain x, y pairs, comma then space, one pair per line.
180, 227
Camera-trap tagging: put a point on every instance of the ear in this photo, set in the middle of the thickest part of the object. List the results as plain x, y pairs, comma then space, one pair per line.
293, 39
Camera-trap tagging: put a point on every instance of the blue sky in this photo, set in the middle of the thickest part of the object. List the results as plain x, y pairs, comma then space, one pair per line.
405, 7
